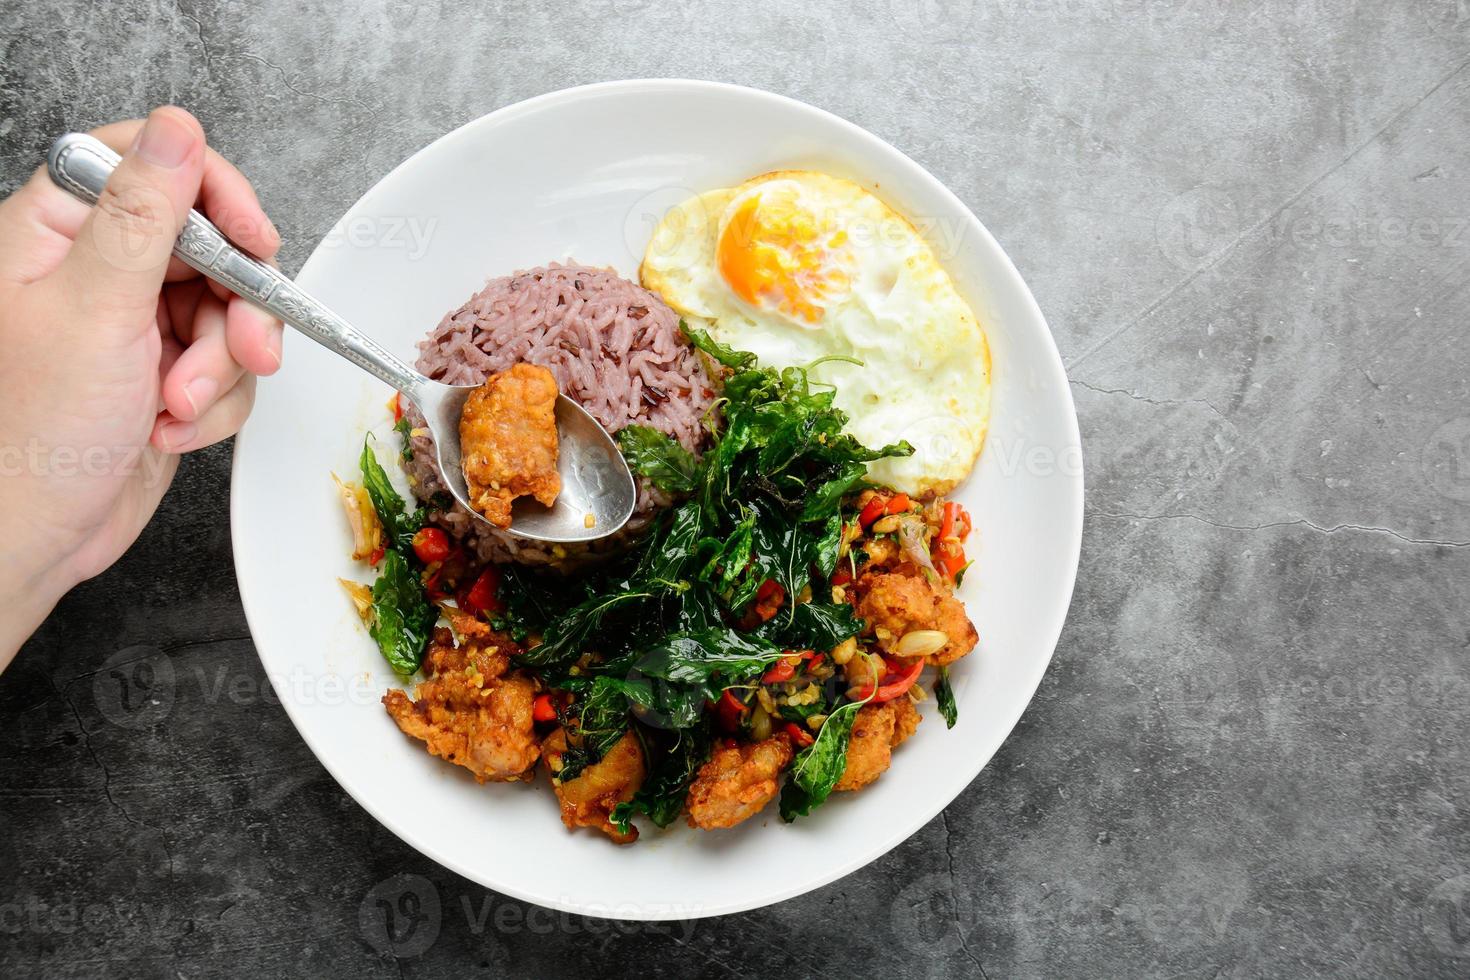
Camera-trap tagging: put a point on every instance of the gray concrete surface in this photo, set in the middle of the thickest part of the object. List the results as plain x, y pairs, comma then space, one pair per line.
1249, 224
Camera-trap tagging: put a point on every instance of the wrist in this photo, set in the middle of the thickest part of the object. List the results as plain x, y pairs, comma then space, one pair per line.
29, 590
34, 574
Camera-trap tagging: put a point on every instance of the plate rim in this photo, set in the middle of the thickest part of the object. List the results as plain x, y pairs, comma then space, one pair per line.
1053, 366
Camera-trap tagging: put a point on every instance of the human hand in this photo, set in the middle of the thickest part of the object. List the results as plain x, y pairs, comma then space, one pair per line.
116, 356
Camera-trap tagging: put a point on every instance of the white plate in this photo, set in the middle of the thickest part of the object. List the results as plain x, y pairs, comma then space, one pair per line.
584, 173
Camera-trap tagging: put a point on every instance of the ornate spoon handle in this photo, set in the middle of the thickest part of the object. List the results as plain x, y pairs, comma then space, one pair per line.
81, 165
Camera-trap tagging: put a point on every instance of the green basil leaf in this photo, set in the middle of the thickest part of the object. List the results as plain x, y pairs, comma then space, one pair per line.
400, 527
818, 767
738, 359
602, 718
731, 555
814, 626
568, 636
827, 496
944, 696
402, 618
651, 453
694, 658
826, 546
663, 793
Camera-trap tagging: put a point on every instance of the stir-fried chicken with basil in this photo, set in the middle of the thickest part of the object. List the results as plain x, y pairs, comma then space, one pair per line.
768, 638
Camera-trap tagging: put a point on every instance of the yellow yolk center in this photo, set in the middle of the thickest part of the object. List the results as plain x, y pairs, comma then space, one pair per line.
776, 255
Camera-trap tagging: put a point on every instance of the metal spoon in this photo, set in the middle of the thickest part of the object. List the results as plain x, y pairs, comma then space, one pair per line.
597, 489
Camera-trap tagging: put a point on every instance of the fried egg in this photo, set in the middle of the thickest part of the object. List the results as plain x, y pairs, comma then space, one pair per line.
802, 268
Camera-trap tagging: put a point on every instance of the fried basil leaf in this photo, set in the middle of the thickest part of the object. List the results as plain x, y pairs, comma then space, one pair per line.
402, 618
826, 545
816, 768
663, 792
697, 657
816, 626
944, 696
399, 526
651, 453
826, 498
601, 719
668, 551
567, 637
733, 554
728, 356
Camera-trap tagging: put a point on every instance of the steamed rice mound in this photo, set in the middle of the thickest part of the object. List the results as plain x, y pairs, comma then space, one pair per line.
612, 345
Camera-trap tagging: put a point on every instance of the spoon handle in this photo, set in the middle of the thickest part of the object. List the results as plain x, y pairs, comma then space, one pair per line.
81, 165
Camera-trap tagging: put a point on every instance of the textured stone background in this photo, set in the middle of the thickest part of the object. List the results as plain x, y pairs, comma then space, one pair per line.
1249, 224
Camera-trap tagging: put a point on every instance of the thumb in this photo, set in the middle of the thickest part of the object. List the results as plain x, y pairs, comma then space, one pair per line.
118, 261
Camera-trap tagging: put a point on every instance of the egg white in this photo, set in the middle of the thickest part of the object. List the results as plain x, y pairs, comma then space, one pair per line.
925, 371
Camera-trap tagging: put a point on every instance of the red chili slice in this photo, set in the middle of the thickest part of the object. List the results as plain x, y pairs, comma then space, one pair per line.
946, 525
729, 710
483, 595
873, 510
895, 682
431, 545
781, 670
799, 736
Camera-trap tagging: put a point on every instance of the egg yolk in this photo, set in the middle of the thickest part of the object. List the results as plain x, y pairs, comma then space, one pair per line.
775, 254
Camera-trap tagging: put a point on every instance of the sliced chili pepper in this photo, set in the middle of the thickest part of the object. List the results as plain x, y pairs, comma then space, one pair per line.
483, 595
872, 511
898, 504
964, 517
946, 525
781, 670
729, 710
542, 709
430, 544
768, 599
842, 576
799, 736
376, 556
396, 404
896, 682
816, 661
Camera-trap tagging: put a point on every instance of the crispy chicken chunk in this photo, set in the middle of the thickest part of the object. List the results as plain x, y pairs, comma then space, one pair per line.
588, 800
895, 603
736, 783
876, 731
507, 435
470, 711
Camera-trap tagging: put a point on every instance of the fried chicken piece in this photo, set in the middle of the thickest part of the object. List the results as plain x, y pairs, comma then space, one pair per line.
878, 729
896, 603
508, 441
470, 711
736, 783
588, 800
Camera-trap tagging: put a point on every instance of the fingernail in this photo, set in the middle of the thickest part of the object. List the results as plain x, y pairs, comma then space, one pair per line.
200, 392
176, 434
165, 140
272, 232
